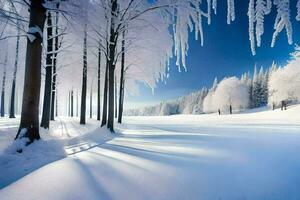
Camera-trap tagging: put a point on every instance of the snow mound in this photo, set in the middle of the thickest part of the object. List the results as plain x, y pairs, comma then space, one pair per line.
34, 156
52, 147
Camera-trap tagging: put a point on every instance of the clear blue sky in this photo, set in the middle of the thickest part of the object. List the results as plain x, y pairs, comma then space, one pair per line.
226, 52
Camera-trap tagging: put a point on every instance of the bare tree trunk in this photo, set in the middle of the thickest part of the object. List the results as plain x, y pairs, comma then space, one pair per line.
105, 91
111, 66
54, 65
48, 80
230, 109
13, 87
72, 103
56, 105
29, 124
91, 101
98, 85
77, 104
84, 79
122, 81
116, 98
2, 109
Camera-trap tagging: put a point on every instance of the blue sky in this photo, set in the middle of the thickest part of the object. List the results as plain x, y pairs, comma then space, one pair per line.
226, 52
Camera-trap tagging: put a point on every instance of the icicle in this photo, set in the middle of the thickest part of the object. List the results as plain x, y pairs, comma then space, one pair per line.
208, 12
230, 11
298, 10
251, 16
282, 21
263, 8
214, 6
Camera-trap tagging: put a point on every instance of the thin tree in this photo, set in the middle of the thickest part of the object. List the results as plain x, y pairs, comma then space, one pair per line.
29, 124
99, 84
122, 81
91, 101
48, 79
53, 95
77, 104
56, 105
2, 109
105, 91
116, 99
13, 87
72, 103
84, 79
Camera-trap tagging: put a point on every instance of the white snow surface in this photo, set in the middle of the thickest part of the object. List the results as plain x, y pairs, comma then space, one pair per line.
251, 155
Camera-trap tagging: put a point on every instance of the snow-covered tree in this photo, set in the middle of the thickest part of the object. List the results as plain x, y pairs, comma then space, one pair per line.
230, 93
208, 106
284, 83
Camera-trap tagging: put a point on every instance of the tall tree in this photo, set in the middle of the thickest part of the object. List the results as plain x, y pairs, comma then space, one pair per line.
2, 109
105, 91
122, 81
29, 124
53, 94
48, 79
77, 103
111, 64
72, 103
13, 87
116, 99
91, 101
84, 79
99, 83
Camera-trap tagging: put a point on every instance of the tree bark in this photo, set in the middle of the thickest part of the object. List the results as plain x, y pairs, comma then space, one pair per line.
29, 123
105, 91
98, 85
77, 104
56, 106
122, 81
111, 66
13, 87
2, 109
84, 80
53, 99
48, 80
116, 98
72, 103
91, 101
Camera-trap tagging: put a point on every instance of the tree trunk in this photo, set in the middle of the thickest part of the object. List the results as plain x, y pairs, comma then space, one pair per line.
91, 101
104, 109
13, 87
53, 99
56, 106
77, 104
230, 109
72, 103
116, 98
84, 79
98, 85
122, 81
111, 66
2, 109
29, 123
48, 79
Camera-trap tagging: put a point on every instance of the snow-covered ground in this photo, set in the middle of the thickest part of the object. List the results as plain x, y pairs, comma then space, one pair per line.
253, 155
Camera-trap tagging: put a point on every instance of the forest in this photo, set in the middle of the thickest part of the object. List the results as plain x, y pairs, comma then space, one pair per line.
68, 67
